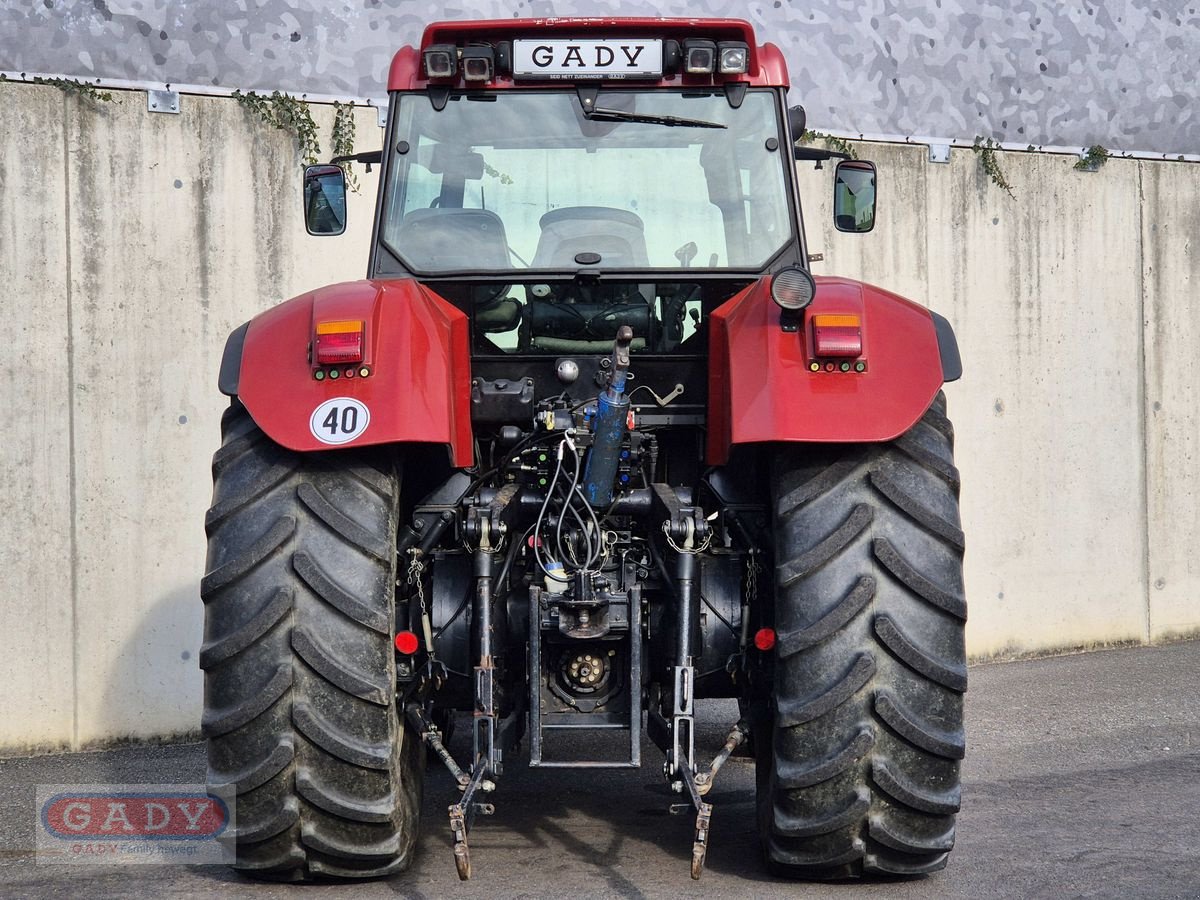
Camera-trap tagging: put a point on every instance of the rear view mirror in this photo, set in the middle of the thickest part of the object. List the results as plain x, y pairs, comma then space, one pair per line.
324, 200
797, 122
456, 165
854, 196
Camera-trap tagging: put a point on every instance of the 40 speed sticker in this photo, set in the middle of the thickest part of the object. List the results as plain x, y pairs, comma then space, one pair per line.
339, 421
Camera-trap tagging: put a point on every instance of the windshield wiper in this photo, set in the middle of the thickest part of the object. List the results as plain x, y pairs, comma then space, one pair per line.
618, 115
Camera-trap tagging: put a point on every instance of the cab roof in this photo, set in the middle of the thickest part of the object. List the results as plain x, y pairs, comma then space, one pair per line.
766, 67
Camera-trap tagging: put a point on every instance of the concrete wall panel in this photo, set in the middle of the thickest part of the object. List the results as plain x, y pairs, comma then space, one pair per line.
1170, 269
37, 670
1044, 299
1043, 292
182, 228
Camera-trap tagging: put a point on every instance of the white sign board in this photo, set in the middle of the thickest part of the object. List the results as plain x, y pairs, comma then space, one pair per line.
608, 58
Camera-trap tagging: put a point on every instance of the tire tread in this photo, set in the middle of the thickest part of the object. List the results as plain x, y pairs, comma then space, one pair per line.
870, 666
300, 710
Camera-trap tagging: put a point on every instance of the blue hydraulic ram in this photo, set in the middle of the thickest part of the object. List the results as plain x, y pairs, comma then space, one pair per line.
608, 427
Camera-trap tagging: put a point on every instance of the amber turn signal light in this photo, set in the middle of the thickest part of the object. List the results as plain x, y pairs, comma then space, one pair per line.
837, 335
338, 343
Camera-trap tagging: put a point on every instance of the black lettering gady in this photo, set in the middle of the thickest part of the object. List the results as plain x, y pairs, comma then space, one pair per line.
543, 56
632, 57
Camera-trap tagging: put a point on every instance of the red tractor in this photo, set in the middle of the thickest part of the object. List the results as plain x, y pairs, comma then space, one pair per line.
590, 444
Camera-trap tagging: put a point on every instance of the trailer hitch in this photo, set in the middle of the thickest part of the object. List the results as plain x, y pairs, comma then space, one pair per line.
697, 784
462, 816
687, 531
485, 723
462, 813
703, 822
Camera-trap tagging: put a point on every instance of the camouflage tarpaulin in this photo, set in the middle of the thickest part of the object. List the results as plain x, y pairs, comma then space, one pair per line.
1054, 72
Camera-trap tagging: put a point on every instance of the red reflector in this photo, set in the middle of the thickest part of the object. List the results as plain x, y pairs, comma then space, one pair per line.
837, 340
339, 347
764, 639
407, 643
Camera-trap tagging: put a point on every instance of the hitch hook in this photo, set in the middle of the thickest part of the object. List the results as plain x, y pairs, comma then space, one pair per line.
462, 814
698, 784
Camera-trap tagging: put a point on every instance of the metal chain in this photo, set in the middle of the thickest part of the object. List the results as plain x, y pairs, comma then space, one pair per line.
752, 569
737, 661
416, 569
416, 579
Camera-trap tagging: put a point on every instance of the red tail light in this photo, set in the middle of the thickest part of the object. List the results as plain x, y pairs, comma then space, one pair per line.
835, 335
407, 643
764, 639
338, 342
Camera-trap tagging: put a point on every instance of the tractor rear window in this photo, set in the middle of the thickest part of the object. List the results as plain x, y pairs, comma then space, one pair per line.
515, 181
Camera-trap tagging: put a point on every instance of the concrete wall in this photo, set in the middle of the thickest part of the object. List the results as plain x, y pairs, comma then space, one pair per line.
1061, 421
132, 243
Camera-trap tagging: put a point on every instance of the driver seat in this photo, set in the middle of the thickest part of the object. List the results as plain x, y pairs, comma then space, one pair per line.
619, 236
444, 238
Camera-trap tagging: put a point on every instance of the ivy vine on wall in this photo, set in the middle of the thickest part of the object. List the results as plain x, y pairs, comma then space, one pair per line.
70, 86
286, 113
986, 148
343, 139
1093, 158
841, 145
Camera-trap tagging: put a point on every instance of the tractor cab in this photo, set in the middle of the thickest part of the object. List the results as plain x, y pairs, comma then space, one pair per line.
560, 179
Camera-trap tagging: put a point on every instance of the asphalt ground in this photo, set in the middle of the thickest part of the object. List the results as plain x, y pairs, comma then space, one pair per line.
1082, 779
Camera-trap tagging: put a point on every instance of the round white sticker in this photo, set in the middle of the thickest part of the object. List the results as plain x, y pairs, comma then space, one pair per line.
339, 421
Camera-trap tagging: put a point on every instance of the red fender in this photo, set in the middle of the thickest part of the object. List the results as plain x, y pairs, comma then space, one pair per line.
416, 348
761, 388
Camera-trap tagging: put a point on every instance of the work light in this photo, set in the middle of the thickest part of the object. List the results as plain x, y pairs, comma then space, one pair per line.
699, 57
733, 56
793, 288
441, 61
478, 63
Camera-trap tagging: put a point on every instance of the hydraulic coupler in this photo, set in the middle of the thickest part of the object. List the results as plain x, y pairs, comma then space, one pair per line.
608, 427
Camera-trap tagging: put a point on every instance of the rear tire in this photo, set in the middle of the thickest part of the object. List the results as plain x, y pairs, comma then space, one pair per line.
300, 683
865, 728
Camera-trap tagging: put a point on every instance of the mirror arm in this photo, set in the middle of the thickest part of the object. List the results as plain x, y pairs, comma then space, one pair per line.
812, 154
369, 157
